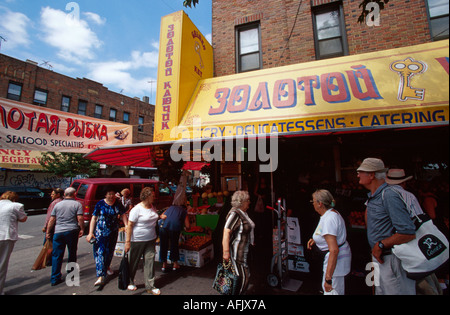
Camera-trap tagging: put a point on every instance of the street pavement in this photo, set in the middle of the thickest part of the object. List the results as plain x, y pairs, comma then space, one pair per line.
188, 281
21, 280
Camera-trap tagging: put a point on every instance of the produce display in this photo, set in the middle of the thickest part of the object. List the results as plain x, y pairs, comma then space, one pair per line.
197, 242
356, 219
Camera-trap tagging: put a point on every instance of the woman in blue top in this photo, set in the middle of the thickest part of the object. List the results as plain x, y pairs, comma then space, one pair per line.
174, 221
104, 228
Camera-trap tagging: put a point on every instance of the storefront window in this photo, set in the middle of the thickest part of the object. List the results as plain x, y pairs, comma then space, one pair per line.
65, 104
328, 33
141, 124
249, 57
40, 97
98, 111
82, 105
112, 114
438, 13
126, 117
14, 91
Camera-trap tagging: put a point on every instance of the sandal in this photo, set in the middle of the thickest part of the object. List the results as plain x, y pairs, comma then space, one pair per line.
99, 282
132, 287
154, 291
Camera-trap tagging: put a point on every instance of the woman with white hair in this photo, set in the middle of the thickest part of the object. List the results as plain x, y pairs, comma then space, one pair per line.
238, 234
331, 238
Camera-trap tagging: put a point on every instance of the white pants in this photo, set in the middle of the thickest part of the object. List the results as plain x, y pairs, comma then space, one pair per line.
6, 248
338, 284
393, 279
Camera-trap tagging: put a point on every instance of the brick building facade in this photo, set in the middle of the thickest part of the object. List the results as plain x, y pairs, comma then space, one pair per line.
29, 83
289, 31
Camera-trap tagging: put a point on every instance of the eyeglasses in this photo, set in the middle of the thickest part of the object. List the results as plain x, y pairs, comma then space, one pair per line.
312, 201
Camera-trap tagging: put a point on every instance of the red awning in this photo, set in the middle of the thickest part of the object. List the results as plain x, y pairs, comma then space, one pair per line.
194, 166
138, 155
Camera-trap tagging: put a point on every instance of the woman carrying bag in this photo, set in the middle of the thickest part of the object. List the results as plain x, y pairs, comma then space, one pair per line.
238, 234
141, 240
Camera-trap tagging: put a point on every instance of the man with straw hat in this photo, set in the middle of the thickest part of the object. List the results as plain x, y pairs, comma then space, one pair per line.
388, 224
429, 285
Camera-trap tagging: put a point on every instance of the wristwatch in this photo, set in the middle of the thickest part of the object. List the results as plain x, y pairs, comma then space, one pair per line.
381, 245
330, 282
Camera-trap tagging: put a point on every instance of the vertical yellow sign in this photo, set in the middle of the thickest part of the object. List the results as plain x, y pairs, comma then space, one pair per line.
185, 57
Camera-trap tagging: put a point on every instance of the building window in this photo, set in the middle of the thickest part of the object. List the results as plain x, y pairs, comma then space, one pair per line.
14, 91
82, 105
438, 15
40, 97
248, 47
126, 117
112, 114
65, 104
329, 34
141, 124
98, 111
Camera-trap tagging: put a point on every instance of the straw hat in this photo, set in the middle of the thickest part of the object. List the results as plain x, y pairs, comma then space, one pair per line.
396, 176
372, 165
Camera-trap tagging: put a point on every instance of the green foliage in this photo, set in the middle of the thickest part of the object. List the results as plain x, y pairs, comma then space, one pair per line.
189, 3
68, 164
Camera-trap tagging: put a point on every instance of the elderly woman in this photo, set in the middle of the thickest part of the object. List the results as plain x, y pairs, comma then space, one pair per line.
103, 231
237, 236
11, 213
141, 239
331, 238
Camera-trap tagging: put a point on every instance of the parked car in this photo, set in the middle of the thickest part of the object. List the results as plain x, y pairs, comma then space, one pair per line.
92, 190
35, 201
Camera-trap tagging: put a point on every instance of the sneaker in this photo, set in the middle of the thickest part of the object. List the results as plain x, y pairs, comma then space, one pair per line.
109, 272
154, 291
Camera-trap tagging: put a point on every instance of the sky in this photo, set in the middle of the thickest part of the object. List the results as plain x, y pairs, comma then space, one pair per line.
115, 43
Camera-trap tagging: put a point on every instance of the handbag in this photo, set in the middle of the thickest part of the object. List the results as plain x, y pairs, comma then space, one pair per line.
124, 273
226, 280
44, 256
159, 226
426, 253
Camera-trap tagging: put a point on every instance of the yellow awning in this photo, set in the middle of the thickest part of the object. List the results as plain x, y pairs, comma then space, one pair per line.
404, 87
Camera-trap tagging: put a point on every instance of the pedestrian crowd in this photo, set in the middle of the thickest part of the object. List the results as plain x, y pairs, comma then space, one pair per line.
390, 210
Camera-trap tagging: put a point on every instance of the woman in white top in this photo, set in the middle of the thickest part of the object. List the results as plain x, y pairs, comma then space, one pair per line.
330, 237
141, 238
11, 213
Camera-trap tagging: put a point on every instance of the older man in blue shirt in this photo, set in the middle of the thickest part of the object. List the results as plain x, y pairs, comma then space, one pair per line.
388, 224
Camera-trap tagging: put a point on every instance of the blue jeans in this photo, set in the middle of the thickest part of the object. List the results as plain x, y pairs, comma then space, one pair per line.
60, 241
